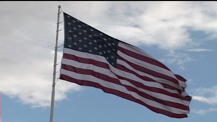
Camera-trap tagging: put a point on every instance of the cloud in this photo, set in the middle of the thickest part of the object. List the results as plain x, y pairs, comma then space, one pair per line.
177, 58
203, 112
27, 55
199, 50
141, 23
206, 95
27, 75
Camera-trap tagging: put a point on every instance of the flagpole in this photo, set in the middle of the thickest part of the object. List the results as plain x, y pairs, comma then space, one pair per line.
54, 69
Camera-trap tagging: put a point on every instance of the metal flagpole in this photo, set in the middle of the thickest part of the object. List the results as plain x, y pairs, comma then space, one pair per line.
54, 70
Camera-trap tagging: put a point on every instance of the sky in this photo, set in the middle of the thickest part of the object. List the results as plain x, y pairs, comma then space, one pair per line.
180, 34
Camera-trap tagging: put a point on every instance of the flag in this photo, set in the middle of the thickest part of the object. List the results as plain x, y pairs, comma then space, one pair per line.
93, 58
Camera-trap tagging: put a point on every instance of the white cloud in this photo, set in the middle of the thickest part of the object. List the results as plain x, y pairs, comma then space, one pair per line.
199, 50
206, 95
178, 58
203, 112
27, 58
141, 23
28, 75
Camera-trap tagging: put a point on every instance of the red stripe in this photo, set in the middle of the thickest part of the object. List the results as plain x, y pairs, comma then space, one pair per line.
153, 89
120, 94
116, 81
130, 88
148, 71
104, 65
121, 67
180, 78
85, 60
143, 58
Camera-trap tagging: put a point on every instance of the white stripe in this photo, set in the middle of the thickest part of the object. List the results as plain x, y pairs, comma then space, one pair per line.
134, 49
182, 83
110, 74
141, 52
124, 90
86, 55
88, 67
157, 79
120, 73
146, 65
157, 95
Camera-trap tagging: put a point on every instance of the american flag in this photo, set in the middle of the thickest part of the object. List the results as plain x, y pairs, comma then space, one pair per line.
93, 58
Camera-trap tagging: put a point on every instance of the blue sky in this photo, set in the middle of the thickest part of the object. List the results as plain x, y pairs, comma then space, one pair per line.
180, 34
